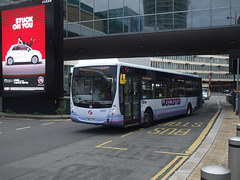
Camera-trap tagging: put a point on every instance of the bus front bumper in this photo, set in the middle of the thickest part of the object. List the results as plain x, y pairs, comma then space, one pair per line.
116, 120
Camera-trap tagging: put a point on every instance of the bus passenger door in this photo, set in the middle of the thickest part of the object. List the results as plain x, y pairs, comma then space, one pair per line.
130, 97
136, 98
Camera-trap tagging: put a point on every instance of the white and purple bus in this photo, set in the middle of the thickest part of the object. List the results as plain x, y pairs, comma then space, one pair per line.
113, 93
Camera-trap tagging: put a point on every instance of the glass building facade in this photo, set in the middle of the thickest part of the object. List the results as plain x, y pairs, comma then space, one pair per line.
93, 18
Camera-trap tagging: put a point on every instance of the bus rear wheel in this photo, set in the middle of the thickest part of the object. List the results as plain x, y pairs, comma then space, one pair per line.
147, 118
189, 109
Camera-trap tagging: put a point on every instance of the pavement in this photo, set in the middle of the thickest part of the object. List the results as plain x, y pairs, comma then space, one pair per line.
31, 116
212, 151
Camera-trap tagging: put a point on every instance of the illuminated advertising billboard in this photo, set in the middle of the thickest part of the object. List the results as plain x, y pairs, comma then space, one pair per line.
23, 49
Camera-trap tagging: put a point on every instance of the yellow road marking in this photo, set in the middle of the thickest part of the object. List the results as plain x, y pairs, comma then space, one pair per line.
130, 133
168, 166
181, 154
199, 140
126, 134
105, 147
103, 144
175, 167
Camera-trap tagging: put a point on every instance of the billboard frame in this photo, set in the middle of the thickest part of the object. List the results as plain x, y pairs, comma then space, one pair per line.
53, 50
53, 88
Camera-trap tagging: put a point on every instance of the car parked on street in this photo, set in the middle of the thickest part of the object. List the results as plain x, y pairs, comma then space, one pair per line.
205, 94
226, 91
22, 53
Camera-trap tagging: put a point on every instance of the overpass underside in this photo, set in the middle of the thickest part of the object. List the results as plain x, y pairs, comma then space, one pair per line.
185, 42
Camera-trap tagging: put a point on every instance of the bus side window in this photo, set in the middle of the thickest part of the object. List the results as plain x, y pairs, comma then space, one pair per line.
161, 90
173, 89
181, 88
147, 90
162, 85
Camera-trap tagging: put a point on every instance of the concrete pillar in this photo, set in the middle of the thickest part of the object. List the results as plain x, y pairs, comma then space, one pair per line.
215, 172
234, 157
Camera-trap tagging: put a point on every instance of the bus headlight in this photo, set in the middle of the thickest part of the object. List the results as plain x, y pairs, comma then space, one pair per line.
72, 108
113, 112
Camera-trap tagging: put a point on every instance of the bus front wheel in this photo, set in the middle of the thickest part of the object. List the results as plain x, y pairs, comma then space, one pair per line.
147, 118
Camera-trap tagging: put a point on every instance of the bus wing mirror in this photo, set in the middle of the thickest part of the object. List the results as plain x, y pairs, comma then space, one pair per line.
122, 78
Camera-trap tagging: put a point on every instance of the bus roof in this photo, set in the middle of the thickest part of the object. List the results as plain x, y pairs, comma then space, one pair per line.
115, 61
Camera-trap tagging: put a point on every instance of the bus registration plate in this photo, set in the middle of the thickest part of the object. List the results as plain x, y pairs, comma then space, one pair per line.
91, 119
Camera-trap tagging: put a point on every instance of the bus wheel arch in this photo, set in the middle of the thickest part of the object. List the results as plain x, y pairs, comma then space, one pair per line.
147, 117
189, 109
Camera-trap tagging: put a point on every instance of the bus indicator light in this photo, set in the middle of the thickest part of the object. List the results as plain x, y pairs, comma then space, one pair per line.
122, 78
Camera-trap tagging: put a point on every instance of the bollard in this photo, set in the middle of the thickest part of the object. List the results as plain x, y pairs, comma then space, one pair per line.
238, 130
215, 172
234, 157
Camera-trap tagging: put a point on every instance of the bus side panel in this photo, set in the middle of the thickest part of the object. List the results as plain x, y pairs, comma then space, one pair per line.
193, 101
169, 107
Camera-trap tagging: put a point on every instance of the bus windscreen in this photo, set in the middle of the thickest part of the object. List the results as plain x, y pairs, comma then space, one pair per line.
94, 87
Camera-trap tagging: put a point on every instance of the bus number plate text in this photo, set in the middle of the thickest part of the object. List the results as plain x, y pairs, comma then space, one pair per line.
91, 119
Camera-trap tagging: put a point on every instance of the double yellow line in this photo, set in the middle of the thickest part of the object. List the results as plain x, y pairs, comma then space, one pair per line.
182, 159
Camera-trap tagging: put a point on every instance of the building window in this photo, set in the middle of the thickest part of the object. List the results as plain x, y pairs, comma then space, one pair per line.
201, 18
115, 8
115, 26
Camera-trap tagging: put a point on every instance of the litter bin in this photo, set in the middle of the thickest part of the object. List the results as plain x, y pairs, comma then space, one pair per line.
215, 172
234, 157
